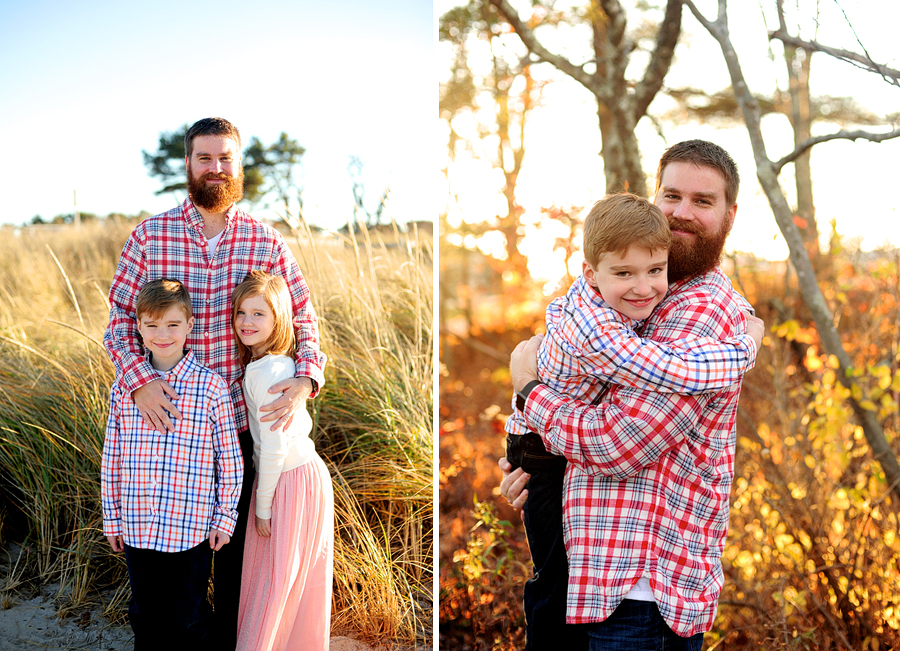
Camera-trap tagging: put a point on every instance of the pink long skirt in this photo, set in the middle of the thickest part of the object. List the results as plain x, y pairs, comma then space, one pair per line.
286, 580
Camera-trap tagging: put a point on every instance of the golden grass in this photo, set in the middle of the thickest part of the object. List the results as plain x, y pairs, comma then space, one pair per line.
373, 417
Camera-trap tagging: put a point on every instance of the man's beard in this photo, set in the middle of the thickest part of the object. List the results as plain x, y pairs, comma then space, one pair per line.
688, 259
218, 196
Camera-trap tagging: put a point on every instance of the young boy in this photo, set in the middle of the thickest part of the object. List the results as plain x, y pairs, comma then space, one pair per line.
170, 498
590, 344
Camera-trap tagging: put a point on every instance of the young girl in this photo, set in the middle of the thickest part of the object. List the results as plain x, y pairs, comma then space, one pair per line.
286, 587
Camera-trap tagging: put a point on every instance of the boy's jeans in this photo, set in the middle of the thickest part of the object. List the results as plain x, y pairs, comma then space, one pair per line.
545, 592
168, 609
638, 626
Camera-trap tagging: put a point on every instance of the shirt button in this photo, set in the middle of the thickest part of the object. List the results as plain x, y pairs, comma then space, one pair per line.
206, 334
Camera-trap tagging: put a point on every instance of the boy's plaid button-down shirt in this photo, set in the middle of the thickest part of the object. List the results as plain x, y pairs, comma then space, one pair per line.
647, 486
172, 245
589, 346
164, 491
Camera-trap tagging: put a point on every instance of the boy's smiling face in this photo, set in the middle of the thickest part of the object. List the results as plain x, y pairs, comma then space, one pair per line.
164, 336
632, 283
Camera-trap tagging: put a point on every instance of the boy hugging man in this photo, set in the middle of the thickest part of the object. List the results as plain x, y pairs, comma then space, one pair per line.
170, 498
591, 343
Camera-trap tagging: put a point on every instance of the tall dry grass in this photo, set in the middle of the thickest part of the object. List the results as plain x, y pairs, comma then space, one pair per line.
373, 418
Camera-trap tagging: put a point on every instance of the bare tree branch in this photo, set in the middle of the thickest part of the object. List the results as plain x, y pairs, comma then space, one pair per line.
809, 288
534, 46
620, 104
890, 75
840, 135
661, 59
614, 41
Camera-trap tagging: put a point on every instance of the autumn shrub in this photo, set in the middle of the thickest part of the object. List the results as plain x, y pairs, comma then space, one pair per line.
478, 610
813, 551
812, 559
479, 589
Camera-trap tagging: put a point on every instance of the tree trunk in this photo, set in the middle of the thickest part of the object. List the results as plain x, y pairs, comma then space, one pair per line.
621, 103
510, 157
798, 66
806, 277
621, 155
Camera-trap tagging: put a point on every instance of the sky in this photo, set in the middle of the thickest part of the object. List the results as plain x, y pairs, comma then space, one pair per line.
853, 182
85, 86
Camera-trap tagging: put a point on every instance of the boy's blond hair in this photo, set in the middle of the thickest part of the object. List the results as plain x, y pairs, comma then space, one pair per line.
275, 293
157, 296
620, 221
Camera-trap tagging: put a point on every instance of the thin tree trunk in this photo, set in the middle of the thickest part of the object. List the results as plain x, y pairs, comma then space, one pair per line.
806, 277
802, 125
620, 103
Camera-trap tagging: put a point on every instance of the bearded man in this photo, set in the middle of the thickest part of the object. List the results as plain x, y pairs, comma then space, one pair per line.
647, 480
210, 245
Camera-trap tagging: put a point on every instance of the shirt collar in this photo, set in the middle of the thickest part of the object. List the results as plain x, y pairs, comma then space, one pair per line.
195, 220
591, 295
183, 366
704, 278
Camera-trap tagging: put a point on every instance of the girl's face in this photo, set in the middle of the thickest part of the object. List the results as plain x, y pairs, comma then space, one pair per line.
254, 322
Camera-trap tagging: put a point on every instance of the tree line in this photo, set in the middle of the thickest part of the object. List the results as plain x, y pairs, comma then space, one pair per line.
272, 176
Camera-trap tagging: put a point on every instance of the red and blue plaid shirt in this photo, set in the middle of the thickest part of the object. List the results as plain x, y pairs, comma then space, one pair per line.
589, 346
172, 245
647, 486
165, 490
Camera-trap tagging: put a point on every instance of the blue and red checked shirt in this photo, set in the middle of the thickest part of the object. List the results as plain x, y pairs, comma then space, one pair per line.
172, 245
589, 346
165, 491
646, 490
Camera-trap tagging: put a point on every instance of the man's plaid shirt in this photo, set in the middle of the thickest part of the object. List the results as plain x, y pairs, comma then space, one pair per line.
172, 245
647, 486
165, 491
589, 345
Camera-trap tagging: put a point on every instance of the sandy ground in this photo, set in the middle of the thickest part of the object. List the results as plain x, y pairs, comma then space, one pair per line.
33, 625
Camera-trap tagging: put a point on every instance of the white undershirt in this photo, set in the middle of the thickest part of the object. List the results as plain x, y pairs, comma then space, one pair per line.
214, 242
641, 591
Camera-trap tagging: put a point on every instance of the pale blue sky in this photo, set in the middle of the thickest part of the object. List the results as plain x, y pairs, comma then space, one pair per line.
85, 86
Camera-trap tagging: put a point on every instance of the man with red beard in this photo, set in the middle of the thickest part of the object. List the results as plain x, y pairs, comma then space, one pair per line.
210, 245
648, 475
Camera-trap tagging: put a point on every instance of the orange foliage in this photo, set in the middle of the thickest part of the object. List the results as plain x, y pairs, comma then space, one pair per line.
813, 555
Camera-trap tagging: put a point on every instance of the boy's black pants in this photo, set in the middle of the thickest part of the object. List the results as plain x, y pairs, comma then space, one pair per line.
168, 608
545, 592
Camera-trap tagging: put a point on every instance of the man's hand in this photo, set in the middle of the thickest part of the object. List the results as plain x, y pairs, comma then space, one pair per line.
523, 362
117, 543
153, 401
295, 392
513, 485
218, 539
264, 526
756, 328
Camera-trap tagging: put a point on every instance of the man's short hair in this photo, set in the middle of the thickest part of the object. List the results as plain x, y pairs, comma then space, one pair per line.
157, 296
703, 153
620, 221
210, 127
